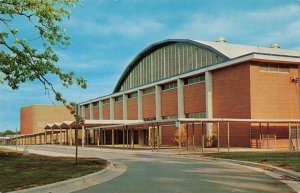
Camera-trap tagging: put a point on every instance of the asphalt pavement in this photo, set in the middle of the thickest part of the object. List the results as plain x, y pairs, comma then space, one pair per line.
164, 172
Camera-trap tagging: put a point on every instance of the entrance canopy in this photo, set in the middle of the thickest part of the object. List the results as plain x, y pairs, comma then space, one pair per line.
169, 122
90, 123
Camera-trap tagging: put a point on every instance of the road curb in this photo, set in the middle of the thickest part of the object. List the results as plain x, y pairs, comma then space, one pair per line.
113, 170
280, 171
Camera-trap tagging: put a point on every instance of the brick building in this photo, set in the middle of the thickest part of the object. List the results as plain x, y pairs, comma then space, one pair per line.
34, 118
181, 78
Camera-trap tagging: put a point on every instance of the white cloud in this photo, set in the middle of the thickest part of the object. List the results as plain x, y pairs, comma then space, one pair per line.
263, 27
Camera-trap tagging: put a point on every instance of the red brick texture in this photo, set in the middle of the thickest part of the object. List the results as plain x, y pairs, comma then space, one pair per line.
266, 87
118, 110
274, 135
149, 106
34, 118
168, 135
273, 96
231, 92
197, 134
194, 98
106, 111
87, 113
231, 99
96, 113
244, 91
169, 105
26, 120
239, 135
132, 109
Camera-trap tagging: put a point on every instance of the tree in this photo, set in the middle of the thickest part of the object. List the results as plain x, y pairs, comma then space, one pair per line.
24, 60
8, 132
184, 139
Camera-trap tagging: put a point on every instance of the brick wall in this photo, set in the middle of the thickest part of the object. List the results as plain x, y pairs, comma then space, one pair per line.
168, 135
231, 99
148, 105
87, 113
197, 134
239, 134
34, 118
132, 109
118, 110
26, 121
194, 98
169, 105
231, 92
96, 113
106, 111
274, 135
273, 96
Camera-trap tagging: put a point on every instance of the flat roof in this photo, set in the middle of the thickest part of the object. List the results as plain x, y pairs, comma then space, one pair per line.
237, 50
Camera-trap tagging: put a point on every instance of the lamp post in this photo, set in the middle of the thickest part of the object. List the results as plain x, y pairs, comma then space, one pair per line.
76, 130
16, 139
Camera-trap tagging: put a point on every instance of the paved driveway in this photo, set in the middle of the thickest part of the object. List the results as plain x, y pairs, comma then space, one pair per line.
152, 172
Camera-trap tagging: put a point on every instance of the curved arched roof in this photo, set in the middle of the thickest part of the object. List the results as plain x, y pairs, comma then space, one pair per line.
157, 46
225, 50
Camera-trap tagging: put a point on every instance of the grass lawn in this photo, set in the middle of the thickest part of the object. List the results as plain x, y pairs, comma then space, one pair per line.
287, 160
19, 172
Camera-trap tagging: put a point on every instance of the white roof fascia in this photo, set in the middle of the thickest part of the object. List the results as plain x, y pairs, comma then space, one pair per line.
86, 122
239, 120
276, 58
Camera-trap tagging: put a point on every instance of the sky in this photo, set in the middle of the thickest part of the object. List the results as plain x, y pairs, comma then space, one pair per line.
107, 34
